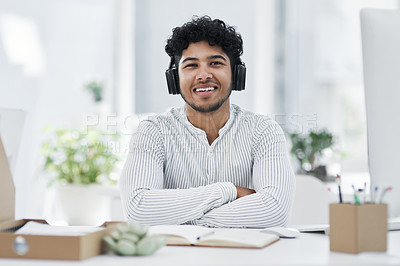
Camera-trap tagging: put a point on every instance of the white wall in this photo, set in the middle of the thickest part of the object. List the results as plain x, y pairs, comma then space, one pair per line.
77, 40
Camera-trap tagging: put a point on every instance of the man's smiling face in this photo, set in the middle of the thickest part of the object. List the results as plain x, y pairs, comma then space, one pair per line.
205, 77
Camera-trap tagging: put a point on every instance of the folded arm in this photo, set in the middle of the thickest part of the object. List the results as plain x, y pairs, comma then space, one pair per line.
142, 187
274, 184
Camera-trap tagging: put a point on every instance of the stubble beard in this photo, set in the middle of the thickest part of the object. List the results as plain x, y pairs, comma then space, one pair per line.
214, 107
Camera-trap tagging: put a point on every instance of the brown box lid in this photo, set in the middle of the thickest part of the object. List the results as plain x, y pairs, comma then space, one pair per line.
48, 247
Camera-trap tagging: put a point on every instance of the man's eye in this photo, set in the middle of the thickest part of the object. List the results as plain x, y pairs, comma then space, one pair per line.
190, 65
216, 63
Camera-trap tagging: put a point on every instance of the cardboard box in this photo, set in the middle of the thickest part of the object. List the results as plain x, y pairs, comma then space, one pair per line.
38, 246
358, 228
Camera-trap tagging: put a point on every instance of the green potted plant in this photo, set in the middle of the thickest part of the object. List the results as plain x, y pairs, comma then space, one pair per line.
96, 88
80, 162
308, 150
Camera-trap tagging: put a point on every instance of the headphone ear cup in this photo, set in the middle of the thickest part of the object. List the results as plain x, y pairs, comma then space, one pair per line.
239, 80
172, 80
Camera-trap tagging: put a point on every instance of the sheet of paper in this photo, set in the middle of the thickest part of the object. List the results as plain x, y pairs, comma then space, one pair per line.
35, 228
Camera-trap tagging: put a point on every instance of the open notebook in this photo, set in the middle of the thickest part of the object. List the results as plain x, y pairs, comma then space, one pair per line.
191, 235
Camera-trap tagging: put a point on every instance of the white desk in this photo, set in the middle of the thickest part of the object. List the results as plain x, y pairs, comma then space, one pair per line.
308, 249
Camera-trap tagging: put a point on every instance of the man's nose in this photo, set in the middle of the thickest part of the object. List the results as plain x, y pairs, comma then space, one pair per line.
204, 73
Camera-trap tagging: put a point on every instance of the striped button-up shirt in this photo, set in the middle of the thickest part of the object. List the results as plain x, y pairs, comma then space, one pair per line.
173, 175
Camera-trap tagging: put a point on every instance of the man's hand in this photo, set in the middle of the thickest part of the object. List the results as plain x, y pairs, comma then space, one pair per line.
242, 191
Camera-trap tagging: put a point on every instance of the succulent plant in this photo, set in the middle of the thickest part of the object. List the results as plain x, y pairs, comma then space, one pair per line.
131, 239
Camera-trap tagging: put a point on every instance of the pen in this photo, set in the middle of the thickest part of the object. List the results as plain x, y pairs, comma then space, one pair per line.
206, 234
375, 194
365, 192
384, 192
356, 200
360, 191
340, 190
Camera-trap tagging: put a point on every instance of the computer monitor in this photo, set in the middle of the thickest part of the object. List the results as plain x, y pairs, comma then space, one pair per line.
380, 31
11, 127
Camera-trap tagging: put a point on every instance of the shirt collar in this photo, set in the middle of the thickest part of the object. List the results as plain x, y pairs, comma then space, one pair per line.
233, 112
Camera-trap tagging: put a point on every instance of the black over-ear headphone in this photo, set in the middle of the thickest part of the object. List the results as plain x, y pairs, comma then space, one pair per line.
238, 77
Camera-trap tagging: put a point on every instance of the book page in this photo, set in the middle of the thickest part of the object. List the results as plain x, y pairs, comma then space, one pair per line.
238, 238
181, 234
35, 228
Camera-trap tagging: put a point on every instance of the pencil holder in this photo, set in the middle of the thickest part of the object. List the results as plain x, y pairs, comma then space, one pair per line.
358, 228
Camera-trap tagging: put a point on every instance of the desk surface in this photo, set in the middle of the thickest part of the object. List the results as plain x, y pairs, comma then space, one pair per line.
308, 249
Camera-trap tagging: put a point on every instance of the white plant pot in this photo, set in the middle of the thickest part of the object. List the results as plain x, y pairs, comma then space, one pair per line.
103, 110
83, 204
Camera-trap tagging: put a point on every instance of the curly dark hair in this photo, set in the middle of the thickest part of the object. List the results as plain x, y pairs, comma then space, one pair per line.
216, 32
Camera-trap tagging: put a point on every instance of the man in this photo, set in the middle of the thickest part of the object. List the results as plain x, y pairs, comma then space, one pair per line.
209, 163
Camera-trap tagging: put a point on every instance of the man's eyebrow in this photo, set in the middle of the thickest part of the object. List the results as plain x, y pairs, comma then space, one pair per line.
190, 59
210, 57
217, 57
